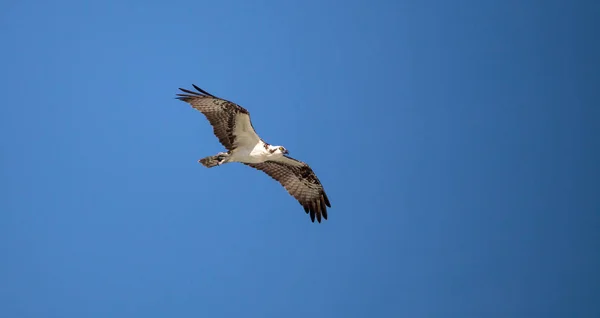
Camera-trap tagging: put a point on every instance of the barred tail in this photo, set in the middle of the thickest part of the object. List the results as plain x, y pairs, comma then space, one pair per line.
213, 161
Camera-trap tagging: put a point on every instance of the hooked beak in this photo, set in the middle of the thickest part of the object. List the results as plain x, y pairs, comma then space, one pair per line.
286, 152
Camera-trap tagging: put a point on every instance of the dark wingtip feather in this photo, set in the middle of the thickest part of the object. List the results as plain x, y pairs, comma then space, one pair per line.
323, 209
186, 97
202, 91
188, 92
326, 199
183, 98
317, 208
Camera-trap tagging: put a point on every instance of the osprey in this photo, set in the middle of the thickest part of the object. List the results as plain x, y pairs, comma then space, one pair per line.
232, 126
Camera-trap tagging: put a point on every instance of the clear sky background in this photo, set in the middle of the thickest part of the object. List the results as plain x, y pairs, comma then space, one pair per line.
457, 141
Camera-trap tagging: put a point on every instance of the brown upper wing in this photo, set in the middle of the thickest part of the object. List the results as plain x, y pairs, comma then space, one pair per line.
222, 114
301, 182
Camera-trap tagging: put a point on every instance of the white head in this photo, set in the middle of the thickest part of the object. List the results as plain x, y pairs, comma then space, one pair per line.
278, 150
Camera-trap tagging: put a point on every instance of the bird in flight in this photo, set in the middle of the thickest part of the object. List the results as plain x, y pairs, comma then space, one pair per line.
232, 126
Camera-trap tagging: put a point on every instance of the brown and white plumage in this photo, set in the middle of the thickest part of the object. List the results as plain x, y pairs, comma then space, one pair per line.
223, 115
232, 126
300, 181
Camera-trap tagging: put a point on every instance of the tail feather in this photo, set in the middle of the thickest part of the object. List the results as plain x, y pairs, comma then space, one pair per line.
212, 161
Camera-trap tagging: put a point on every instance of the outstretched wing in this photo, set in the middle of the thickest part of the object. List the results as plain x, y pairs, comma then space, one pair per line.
300, 181
231, 122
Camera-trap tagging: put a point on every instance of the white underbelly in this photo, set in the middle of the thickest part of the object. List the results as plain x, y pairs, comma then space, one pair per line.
248, 156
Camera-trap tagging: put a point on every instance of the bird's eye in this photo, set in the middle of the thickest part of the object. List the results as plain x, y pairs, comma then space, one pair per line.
281, 148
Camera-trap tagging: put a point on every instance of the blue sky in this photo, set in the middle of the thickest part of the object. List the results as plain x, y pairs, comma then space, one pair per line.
455, 140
